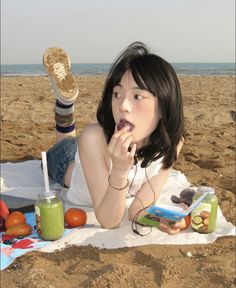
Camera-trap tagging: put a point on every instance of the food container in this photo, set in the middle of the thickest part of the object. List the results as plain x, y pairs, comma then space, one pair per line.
203, 217
49, 212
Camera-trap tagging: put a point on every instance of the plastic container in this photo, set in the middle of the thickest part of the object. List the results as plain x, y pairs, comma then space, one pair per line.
203, 217
49, 212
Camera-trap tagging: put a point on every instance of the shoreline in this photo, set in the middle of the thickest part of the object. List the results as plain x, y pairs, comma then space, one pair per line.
104, 75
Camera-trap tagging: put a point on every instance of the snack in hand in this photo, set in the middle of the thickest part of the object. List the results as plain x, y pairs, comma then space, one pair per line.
125, 123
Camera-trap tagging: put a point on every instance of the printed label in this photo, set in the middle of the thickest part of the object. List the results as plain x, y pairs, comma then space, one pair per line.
200, 217
38, 225
37, 210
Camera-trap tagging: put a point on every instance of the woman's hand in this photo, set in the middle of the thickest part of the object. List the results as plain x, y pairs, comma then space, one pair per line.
122, 158
175, 228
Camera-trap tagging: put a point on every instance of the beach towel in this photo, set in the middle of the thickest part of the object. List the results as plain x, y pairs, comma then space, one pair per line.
25, 179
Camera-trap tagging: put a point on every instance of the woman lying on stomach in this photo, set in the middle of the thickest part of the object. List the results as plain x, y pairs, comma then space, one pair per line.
130, 151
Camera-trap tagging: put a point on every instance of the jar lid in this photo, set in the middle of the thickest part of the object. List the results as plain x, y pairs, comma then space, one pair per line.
203, 189
48, 195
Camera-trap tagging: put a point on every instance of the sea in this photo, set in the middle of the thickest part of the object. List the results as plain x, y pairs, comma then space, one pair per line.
182, 69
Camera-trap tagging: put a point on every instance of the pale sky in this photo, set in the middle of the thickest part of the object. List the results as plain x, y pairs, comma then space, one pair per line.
95, 31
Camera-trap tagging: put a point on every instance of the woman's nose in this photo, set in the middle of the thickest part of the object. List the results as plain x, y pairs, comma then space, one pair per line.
125, 105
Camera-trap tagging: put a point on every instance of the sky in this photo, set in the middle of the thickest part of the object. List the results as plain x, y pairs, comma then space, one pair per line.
96, 31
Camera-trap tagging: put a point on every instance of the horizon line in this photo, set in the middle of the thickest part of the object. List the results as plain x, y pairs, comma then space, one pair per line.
109, 63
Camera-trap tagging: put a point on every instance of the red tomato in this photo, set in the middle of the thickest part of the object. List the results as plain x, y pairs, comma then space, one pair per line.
14, 219
75, 217
4, 212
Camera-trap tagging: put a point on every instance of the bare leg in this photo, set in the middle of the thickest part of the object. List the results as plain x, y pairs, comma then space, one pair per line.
61, 136
68, 174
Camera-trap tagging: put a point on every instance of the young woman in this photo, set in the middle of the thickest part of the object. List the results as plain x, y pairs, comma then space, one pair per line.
130, 151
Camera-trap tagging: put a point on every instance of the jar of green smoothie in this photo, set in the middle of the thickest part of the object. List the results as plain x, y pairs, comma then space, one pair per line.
203, 217
49, 212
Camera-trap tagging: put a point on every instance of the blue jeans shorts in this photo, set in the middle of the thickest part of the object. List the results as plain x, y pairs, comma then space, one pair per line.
59, 157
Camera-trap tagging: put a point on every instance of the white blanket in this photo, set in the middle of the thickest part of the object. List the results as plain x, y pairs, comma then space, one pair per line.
26, 179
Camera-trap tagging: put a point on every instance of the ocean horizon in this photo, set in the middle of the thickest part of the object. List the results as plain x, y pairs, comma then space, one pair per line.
185, 69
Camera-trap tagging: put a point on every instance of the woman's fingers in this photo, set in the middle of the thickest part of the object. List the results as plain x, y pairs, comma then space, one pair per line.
126, 141
121, 147
133, 149
115, 138
121, 140
169, 230
180, 224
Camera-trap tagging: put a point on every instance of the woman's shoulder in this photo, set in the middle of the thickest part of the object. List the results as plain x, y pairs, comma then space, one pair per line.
92, 129
92, 134
92, 143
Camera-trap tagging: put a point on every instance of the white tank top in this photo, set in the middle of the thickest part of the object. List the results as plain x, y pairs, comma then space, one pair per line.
78, 193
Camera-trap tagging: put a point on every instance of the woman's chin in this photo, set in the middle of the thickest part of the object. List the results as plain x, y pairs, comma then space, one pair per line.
140, 142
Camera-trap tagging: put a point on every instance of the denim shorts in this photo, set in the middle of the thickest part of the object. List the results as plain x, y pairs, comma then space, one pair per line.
59, 157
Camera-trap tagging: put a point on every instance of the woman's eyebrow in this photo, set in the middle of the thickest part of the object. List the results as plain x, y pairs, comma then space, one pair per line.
134, 88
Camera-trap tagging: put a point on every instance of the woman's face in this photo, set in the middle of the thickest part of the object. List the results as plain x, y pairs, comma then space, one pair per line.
135, 108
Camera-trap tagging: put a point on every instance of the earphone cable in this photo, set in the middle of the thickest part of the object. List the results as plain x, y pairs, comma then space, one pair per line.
135, 223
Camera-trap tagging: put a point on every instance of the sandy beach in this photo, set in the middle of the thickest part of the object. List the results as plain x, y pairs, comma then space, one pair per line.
207, 157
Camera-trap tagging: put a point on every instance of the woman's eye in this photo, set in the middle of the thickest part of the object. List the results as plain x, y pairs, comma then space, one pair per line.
116, 94
138, 97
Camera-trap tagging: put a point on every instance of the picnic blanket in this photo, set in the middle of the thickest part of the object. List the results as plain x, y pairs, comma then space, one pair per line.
26, 179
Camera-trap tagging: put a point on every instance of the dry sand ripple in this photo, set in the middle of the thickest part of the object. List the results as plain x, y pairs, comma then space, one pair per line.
208, 157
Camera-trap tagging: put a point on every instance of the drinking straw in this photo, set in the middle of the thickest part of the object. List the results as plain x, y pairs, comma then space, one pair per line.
45, 172
196, 203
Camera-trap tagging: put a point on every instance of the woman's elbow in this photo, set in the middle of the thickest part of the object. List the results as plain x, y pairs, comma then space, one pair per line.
107, 223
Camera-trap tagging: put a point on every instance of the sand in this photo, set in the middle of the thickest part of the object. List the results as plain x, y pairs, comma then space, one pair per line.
208, 157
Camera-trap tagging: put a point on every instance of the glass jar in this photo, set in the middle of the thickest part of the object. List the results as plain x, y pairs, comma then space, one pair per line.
203, 217
49, 212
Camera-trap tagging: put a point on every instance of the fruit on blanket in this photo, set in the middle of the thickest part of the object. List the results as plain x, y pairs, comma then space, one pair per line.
2, 224
4, 212
14, 219
19, 230
75, 217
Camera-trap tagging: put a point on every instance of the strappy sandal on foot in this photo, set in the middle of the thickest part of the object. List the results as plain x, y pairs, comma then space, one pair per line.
57, 64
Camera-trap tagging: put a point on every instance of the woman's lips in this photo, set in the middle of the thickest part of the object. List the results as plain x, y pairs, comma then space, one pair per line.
124, 123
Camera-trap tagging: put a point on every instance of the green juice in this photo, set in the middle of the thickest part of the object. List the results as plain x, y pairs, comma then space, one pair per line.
203, 217
49, 213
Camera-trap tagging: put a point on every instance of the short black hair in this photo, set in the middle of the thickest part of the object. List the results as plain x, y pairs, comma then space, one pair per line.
154, 74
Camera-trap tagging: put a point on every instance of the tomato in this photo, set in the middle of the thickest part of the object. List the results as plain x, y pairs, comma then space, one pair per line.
4, 212
75, 217
2, 224
14, 219
19, 230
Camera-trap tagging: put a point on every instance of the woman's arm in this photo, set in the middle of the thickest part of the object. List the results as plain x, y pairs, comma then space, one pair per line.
149, 193
109, 203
